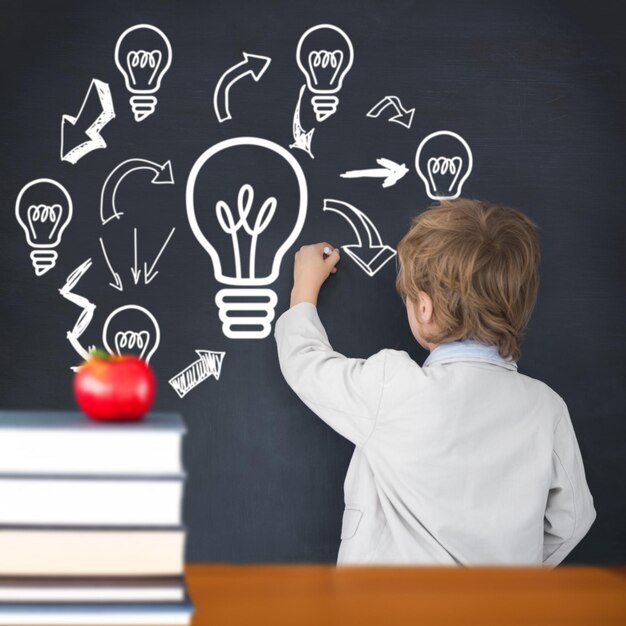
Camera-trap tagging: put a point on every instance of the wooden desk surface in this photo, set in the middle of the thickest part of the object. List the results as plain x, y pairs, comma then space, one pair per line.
303, 595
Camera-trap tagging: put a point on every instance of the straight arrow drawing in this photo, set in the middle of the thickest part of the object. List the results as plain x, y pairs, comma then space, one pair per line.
252, 64
135, 270
162, 176
116, 277
403, 116
209, 364
391, 171
80, 136
369, 253
149, 273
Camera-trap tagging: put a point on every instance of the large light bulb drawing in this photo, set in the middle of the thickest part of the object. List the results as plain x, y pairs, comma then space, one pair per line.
240, 217
131, 329
43, 209
443, 161
143, 54
324, 55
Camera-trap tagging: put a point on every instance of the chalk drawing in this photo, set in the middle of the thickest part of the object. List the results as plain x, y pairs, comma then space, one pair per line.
253, 65
443, 161
369, 253
80, 136
324, 55
209, 364
245, 297
43, 209
391, 171
143, 55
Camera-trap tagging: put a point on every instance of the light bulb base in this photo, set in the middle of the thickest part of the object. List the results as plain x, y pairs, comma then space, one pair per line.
43, 260
324, 106
142, 106
246, 313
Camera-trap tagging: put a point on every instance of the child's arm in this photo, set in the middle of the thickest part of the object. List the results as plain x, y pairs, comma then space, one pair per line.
344, 392
569, 510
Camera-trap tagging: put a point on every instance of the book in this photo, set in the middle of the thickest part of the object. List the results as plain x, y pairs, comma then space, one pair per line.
67, 442
96, 589
100, 614
91, 500
68, 551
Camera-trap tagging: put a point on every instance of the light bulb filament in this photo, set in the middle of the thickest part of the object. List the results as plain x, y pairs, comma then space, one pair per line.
245, 200
322, 59
129, 339
441, 165
42, 213
140, 59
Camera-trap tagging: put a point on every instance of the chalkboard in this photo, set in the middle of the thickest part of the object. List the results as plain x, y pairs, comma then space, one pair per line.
535, 90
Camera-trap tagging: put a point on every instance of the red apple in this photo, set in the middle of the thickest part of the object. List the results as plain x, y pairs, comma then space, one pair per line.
114, 387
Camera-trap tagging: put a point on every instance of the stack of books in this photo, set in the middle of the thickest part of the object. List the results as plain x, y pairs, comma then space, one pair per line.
91, 520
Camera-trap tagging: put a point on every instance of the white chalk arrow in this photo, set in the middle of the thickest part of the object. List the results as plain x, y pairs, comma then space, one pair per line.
87, 307
403, 116
149, 273
252, 64
75, 147
391, 171
136, 272
369, 252
209, 364
162, 176
116, 277
301, 138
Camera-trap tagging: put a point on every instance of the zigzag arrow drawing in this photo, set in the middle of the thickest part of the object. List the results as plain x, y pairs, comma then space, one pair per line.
73, 150
403, 116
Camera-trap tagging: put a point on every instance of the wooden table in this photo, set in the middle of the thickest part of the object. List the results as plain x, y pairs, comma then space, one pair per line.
323, 595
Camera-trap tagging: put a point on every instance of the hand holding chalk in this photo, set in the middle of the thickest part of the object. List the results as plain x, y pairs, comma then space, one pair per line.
312, 266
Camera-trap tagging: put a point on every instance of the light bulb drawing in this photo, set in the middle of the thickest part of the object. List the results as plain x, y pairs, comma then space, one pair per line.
143, 55
131, 329
324, 55
240, 218
444, 162
43, 209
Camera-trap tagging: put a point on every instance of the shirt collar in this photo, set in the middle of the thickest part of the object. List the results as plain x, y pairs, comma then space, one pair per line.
468, 350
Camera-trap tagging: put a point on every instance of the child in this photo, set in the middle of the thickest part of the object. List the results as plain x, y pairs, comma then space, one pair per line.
463, 460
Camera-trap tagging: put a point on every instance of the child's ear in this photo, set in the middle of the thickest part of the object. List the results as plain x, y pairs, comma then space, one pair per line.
425, 307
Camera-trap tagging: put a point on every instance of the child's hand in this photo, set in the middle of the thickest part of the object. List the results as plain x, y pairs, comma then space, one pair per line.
310, 269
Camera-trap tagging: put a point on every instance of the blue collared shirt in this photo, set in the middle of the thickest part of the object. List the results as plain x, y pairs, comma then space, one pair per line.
468, 350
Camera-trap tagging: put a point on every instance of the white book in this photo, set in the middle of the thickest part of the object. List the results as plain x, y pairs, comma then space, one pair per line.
64, 442
99, 589
95, 614
34, 551
90, 500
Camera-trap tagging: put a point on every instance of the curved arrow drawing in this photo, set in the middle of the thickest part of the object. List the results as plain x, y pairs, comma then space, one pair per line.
253, 64
391, 171
163, 176
72, 153
87, 307
403, 116
370, 256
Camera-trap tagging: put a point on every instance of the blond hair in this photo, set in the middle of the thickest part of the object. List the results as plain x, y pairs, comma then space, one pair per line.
479, 263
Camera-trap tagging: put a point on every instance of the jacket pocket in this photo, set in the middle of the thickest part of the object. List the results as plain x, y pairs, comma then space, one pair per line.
351, 520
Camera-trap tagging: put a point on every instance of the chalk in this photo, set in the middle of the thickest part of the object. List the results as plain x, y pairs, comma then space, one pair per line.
327, 251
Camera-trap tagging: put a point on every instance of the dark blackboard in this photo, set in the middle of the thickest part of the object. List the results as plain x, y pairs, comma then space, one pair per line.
536, 89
